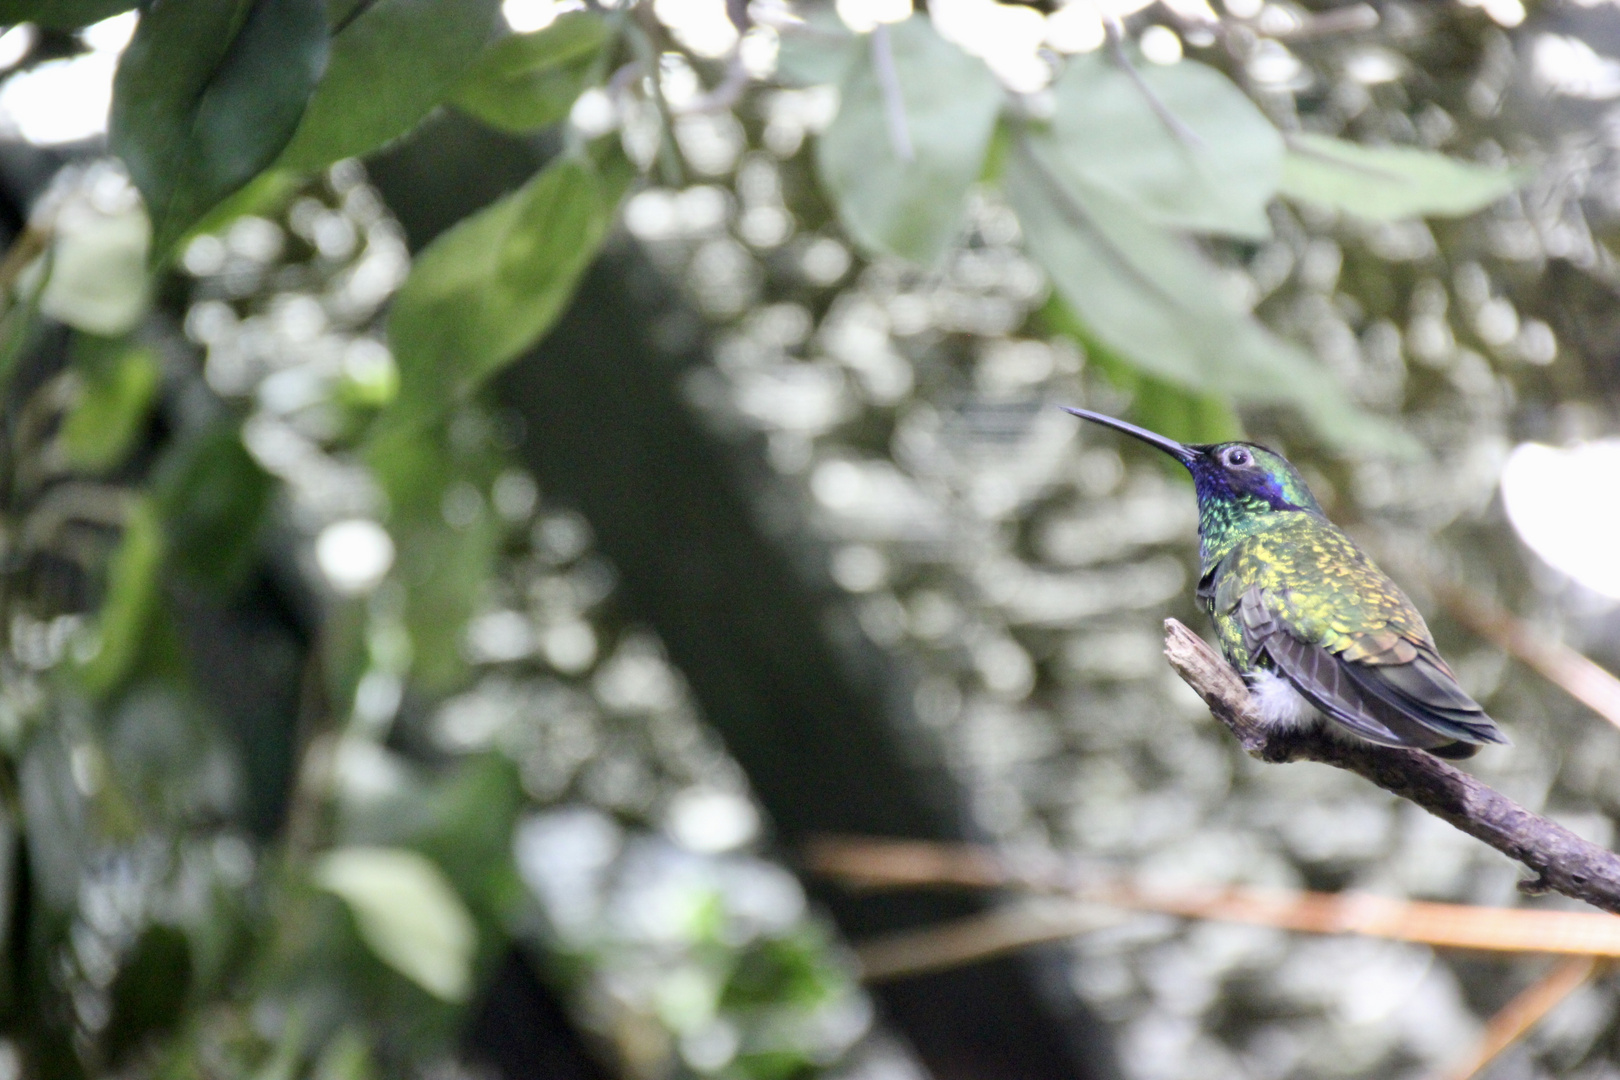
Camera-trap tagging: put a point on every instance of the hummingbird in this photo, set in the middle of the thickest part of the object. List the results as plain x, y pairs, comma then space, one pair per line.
1301, 612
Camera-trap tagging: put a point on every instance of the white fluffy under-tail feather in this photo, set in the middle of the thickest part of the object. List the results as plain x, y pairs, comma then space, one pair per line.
1278, 704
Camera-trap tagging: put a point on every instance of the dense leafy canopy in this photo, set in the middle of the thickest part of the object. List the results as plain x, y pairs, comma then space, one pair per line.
900, 170
206, 97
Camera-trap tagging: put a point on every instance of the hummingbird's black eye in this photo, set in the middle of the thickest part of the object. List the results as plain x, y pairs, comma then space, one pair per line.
1237, 457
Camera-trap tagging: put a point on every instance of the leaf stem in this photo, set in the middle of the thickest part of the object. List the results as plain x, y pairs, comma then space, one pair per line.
894, 103
1081, 218
1174, 123
668, 157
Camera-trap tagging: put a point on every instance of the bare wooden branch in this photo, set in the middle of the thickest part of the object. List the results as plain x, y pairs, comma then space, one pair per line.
1563, 862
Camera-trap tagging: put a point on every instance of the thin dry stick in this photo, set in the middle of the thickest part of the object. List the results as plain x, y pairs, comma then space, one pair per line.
1524, 1012
1554, 661
978, 937
890, 863
1562, 861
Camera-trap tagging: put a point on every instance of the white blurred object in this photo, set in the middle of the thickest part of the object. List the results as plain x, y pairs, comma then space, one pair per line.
1569, 66
1160, 45
564, 856
528, 16
593, 113
100, 237
15, 44
1564, 506
1502, 12
1075, 28
1005, 36
863, 16
701, 25
354, 555
63, 101
709, 822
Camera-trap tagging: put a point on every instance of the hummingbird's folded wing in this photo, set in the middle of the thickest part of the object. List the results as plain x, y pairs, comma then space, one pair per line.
1378, 683
1425, 689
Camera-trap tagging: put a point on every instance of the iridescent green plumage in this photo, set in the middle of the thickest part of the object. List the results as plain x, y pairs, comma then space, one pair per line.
1293, 598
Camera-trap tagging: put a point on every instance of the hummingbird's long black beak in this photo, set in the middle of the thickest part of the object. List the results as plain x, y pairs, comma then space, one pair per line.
1183, 454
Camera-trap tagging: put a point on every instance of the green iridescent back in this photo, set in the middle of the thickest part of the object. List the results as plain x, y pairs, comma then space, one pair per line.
1327, 589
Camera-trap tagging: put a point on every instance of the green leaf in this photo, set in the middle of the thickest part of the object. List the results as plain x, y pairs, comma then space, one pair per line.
390, 65
1192, 417
486, 289
206, 96
910, 208
1386, 183
1149, 296
1219, 180
214, 499
444, 568
132, 592
346, 1057
527, 81
817, 53
61, 14
407, 913
462, 820
119, 383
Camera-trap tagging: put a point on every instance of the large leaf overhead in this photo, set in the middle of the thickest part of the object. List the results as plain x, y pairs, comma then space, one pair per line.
908, 205
392, 61
1210, 165
526, 81
488, 288
206, 97
1151, 298
1390, 182
818, 52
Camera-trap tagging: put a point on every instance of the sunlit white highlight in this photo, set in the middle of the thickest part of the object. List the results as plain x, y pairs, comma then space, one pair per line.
1568, 66
1502, 12
701, 25
1160, 45
1075, 28
710, 822
1563, 505
1005, 36
863, 16
15, 43
63, 101
354, 555
529, 16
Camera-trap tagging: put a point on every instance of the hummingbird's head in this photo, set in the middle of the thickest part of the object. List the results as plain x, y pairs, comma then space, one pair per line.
1235, 477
